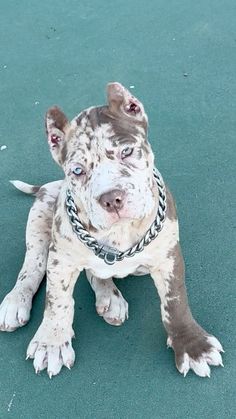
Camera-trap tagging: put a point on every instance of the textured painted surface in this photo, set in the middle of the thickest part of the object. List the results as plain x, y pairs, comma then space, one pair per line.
180, 57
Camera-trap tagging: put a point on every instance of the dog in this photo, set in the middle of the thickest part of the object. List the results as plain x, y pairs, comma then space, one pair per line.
111, 216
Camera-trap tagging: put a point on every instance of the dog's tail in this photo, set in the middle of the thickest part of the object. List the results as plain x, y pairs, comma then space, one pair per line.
25, 187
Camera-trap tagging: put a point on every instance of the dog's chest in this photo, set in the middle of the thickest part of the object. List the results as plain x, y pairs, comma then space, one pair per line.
138, 265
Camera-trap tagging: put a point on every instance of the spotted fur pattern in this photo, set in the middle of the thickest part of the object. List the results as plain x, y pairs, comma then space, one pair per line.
108, 166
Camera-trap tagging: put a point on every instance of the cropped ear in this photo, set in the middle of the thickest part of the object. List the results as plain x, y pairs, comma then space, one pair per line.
121, 100
56, 126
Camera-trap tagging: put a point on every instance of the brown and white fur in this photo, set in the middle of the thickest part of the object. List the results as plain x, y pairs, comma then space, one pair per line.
117, 198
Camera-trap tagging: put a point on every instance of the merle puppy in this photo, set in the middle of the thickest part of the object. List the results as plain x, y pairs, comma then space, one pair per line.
111, 205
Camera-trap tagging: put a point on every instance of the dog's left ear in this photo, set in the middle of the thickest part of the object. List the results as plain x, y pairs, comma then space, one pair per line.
120, 100
57, 125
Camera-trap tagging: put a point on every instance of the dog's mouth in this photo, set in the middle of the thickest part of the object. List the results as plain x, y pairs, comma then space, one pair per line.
119, 217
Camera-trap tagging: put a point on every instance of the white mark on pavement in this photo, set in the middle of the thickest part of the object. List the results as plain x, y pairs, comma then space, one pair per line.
10, 403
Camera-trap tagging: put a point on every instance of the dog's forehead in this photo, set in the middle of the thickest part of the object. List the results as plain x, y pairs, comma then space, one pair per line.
97, 129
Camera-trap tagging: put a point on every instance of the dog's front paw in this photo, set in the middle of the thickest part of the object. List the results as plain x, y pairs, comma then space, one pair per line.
51, 348
111, 305
15, 309
196, 350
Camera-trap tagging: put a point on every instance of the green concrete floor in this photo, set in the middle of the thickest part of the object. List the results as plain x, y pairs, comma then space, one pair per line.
181, 58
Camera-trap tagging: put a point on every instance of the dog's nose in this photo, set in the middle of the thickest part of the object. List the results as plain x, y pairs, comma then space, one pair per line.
112, 201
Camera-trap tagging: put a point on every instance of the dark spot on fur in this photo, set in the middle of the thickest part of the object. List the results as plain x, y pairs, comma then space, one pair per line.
67, 238
124, 172
91, 227
48, 301
58, 222
41, 194
22, 276
110, 154
64, 287
139, 154
35, 189
116, 292
80, 118
52, 248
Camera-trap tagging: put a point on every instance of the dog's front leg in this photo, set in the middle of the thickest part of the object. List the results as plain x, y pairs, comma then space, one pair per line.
16, 306
194, 348
51, 346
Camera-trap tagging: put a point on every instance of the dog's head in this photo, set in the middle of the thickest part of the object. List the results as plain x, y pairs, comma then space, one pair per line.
106, 157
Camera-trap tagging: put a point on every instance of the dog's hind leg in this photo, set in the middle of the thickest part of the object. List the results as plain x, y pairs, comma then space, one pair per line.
110, 303
16, 306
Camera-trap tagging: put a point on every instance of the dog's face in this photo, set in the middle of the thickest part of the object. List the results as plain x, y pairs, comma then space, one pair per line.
106, 157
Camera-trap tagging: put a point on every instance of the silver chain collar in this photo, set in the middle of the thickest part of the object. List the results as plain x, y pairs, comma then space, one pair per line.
111, 255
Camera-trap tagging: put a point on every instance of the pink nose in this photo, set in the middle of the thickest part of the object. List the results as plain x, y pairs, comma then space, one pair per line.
112, 201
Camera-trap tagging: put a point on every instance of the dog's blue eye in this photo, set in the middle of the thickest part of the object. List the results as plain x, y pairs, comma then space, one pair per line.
78, 171
127, 152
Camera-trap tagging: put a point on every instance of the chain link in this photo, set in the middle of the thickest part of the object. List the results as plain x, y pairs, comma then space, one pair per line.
108, 254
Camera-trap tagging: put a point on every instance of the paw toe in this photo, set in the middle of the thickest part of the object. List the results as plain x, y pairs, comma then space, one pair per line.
40, 359
102, 309
184, 365
31, 349
213, 357
23, 315
55, 361
200, 367
215, 343
68, 355
113, 321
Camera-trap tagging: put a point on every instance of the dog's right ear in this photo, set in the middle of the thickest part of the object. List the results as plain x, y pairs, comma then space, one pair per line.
56, 126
